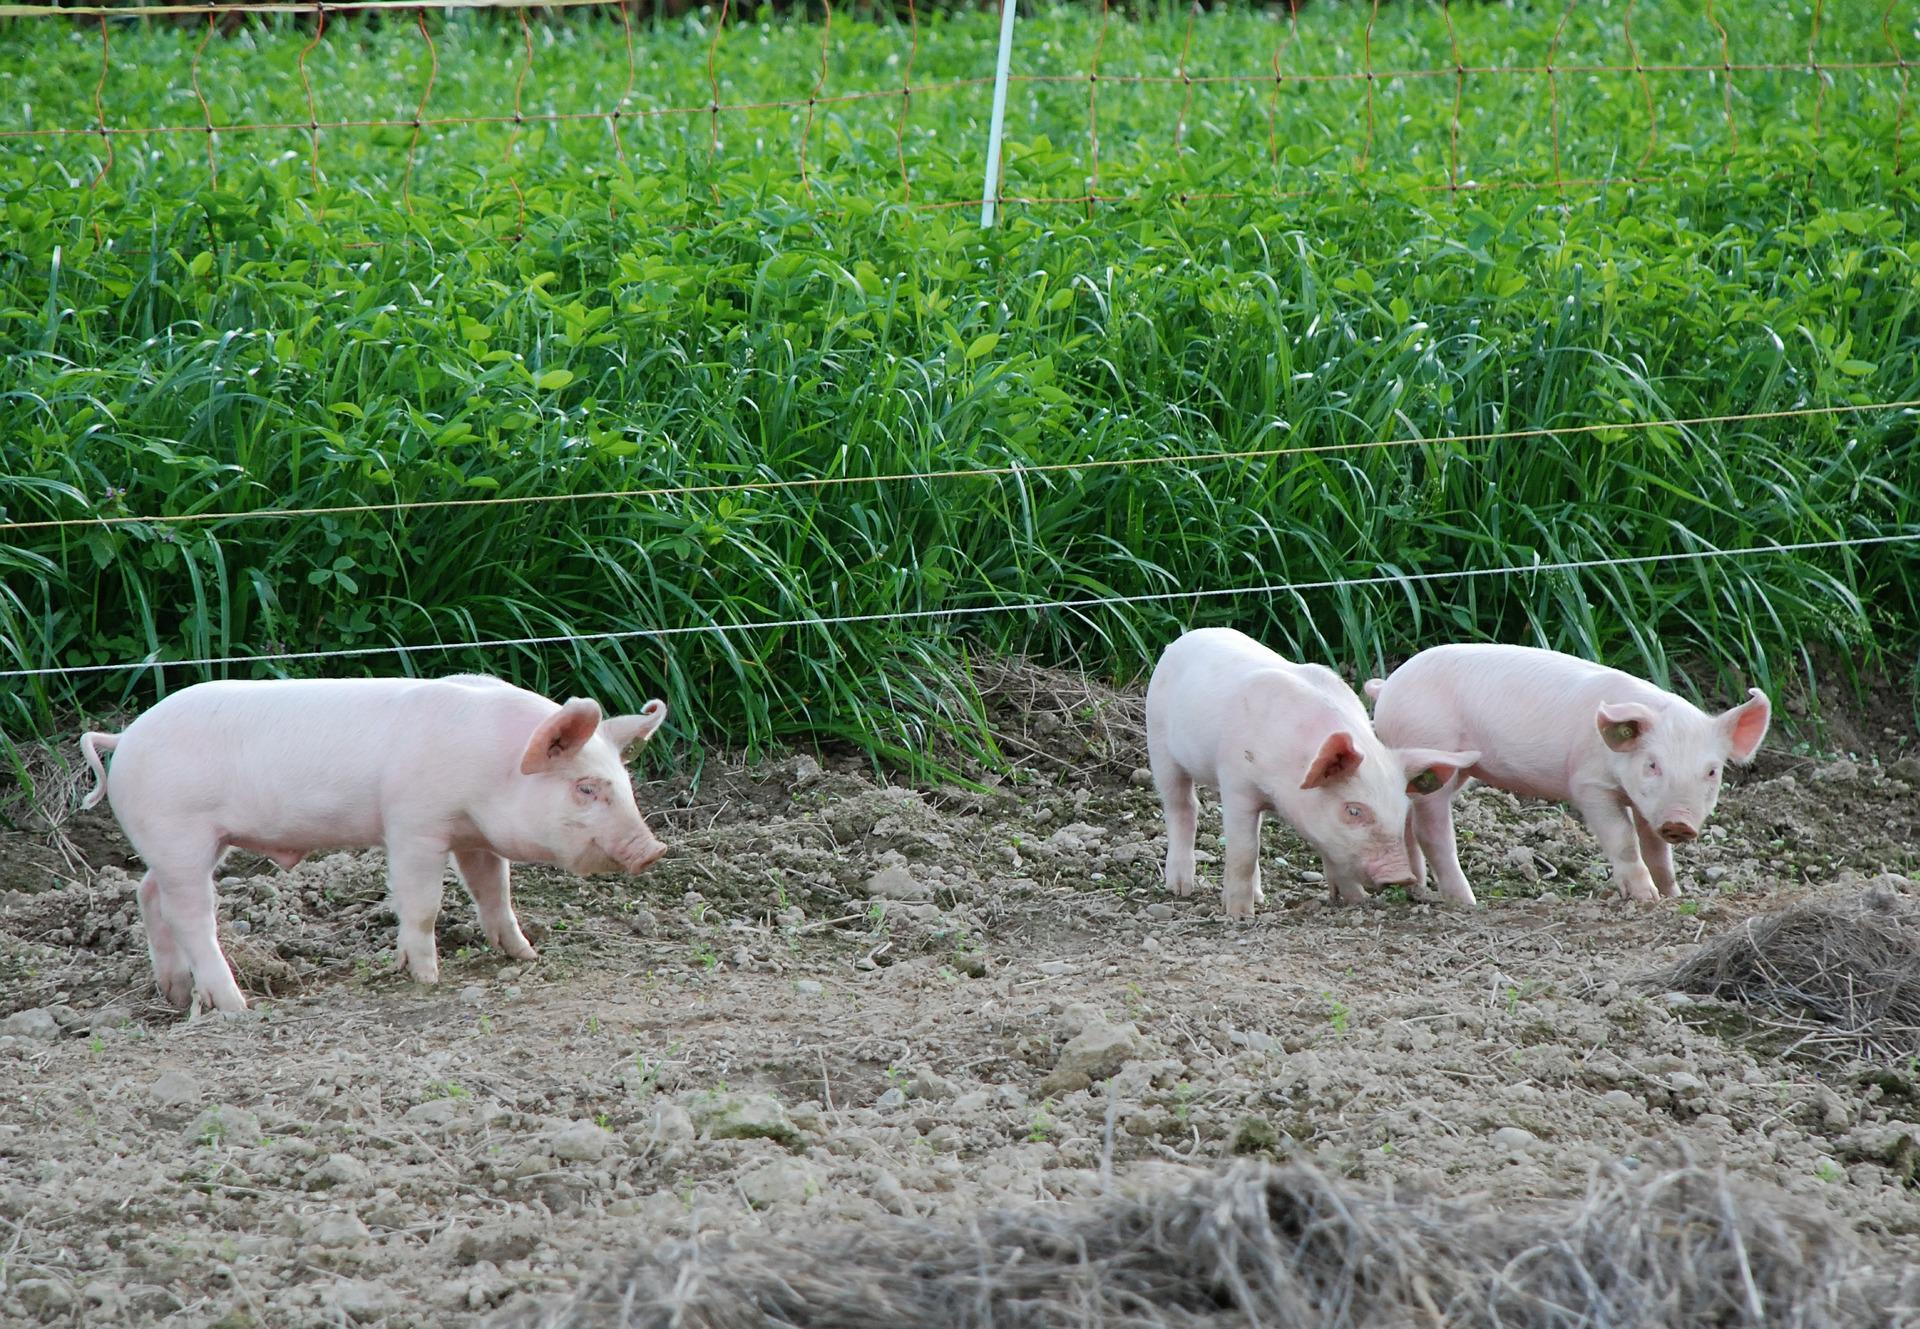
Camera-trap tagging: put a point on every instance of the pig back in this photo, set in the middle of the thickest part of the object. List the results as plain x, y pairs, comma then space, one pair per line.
311, 763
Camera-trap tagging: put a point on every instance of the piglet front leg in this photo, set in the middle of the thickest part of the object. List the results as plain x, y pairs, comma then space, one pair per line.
416, 876
1240, 870
1612, 825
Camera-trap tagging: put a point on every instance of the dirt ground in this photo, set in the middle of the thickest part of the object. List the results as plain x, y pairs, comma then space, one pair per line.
845, 995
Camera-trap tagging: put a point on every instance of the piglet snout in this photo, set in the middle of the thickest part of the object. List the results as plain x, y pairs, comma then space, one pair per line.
1678, 832
640, 854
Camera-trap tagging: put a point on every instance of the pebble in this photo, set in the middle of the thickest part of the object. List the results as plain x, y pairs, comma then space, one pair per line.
897, 882
642, 922
1907, 768
1685, 1084
38, 1023
434, 1112
109, 1017
1140, 777
1520, 859
44, 1296
783, 1181
1055, 968
473, 994
1149, 943
1838, 770
730, 1116
339, 1229
1620, 1102
362, 1300
807, 987
1514, 1138
1159, 912
805, 770
582, 1142
1309, 876
1714, 874
174, 1089
1099, 1050
891, 1101
339, 1170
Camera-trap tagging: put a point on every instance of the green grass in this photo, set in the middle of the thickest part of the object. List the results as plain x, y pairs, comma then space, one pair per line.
506, 310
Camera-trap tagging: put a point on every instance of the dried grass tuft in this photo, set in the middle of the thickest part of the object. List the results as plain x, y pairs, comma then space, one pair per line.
1840, 977
1277, 1245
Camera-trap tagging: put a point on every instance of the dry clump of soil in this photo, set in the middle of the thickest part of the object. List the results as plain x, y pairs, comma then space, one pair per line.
1260, 1244
846, 998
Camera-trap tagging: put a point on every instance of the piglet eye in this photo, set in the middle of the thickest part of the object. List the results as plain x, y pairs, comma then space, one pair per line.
1355, 811
1713, 772
586, 788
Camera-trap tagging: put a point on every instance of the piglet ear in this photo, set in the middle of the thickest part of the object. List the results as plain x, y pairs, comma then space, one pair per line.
1623, 724
623, 731
561, 735
1746, 725
1428, 770
1338, 759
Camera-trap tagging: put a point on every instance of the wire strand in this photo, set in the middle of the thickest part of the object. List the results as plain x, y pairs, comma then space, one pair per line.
959, 473
970, 611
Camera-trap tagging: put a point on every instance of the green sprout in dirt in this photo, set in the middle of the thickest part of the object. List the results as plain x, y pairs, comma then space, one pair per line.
1040, 1125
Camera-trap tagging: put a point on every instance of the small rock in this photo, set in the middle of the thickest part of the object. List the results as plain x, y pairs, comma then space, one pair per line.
1514, 1139
805, 771
1140, 777
729, 1116
339, 1170
1159, 912
1099, 1050
1620, 1103
641, 922
1684, 1084
1520, 859
486, 1287
581, 1142
44, 1296
891, 1101
434, 1112
361, 1300
38, 1023
109, 1017
1714, 874
1891, 881
1310, 877
1060, 1082
783, 1181
741, 958
807, 987
1678, 999
339, 1230
1907, 768
1149, 943
671, 1125
897, 882
1055, 968
222, 1125
1838, 770
174, 1089
473, 994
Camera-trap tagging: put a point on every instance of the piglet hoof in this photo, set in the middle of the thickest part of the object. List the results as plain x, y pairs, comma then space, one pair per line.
1180, 886
516, 947
1640, 892
177, 989
424, 968
1239, 906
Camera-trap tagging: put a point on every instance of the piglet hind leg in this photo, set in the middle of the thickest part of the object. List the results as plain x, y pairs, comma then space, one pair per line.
416, 876
182, 901
1612, 825
487, 881
171, 973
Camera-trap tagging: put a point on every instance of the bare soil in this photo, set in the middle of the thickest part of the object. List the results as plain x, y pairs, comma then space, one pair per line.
900, 999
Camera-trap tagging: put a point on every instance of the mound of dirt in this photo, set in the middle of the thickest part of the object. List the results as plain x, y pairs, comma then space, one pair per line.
1287, 1245
1843, 974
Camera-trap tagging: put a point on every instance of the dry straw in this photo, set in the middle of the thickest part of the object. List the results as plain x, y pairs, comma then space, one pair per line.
1842, 977
1278, 1246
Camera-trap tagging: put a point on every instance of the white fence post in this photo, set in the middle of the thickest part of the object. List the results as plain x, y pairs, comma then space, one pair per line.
991, 189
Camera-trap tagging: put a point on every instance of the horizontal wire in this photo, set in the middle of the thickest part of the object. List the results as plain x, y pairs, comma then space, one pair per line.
968, 611
287, 7
443, 121
794, 103
962, 473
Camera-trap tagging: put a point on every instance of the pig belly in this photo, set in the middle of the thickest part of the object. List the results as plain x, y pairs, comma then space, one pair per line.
1528, 785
